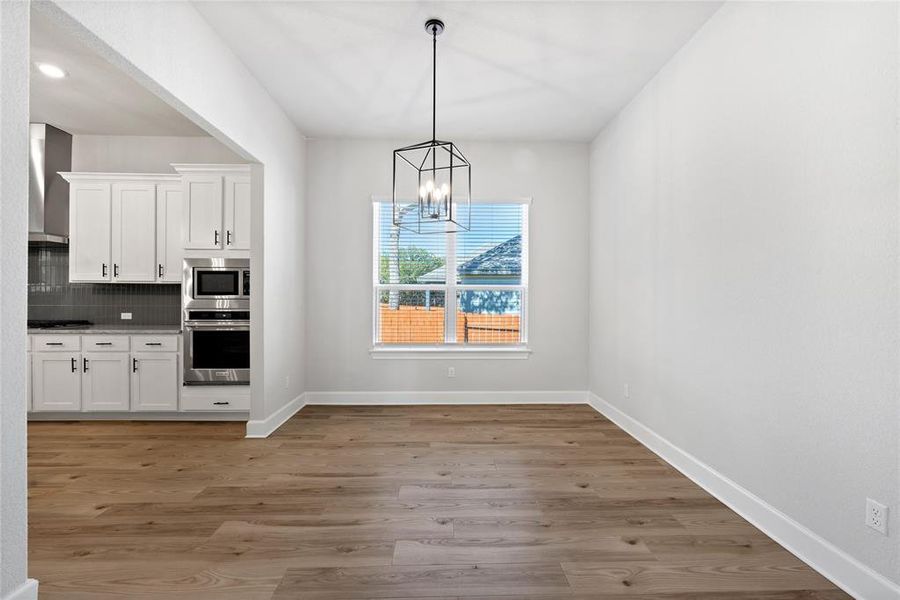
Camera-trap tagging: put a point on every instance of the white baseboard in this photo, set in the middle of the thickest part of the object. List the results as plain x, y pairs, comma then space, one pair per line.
265, 427
26, 591
454, 397
842, 569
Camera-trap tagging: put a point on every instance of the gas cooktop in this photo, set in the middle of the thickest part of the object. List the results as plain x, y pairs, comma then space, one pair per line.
58, 323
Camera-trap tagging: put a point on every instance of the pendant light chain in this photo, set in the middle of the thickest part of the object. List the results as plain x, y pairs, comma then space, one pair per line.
433, 83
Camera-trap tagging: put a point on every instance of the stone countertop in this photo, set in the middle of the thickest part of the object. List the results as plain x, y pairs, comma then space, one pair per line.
110, 330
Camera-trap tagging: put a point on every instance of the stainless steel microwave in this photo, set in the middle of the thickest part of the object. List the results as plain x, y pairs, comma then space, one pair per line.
216, 282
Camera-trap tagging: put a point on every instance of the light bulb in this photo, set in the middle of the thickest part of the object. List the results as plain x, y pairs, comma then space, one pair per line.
445, 190
422, 192
429, 185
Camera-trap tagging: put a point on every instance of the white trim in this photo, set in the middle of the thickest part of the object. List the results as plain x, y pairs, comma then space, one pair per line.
211, 168
466, 352
26, 591
843, 570
453, 397
505, 200
72, 176
265, 427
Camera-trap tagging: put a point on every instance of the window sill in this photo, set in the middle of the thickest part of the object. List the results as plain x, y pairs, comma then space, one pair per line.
450, 352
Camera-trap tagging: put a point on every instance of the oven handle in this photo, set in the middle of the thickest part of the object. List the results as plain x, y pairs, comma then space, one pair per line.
217, 325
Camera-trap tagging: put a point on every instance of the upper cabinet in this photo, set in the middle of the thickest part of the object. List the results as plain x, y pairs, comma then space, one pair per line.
124, 228
134, 231
90, 231
169, 248
216, 207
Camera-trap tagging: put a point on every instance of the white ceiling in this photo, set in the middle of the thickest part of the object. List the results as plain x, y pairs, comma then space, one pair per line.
96, 97
506, 70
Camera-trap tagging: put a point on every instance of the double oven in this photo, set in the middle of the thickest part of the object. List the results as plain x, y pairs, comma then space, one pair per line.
216, 319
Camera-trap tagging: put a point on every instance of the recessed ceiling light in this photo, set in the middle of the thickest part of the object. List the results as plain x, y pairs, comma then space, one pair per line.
51, 71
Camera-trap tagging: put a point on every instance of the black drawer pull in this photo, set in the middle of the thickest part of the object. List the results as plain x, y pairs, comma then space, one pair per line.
153, 343
103, 343
221, 403
53, 343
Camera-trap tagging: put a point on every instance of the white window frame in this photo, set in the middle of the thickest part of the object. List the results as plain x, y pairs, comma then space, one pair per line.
452, 348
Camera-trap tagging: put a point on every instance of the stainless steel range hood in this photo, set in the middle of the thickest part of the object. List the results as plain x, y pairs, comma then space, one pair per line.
48, 193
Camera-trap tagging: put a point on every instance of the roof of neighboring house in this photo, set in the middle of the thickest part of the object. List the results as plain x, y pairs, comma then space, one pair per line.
501, 260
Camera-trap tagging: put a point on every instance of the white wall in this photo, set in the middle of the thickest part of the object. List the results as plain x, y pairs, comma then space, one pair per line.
744, 245
14, 67
345, 174
172, 50
145, 153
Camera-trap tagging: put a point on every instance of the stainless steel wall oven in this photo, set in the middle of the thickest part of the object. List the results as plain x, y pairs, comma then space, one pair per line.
216, 321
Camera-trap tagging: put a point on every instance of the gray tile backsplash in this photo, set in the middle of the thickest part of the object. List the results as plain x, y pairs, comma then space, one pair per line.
51, 296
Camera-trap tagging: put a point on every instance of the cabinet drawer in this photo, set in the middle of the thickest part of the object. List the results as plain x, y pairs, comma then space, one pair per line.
103, 343
154, 343
224, 398
52, 343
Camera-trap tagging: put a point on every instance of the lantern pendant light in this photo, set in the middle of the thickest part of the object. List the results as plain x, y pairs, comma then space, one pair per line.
432, 179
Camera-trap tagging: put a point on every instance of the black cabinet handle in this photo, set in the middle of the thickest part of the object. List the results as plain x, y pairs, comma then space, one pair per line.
216, 237
84, 366
153, 343
221, 403
134, 365
53, 343
103, 343
115, 270
74, 365
227, 237
160, 270
104, 269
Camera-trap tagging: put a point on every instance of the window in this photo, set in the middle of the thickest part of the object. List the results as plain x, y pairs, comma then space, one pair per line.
452, 291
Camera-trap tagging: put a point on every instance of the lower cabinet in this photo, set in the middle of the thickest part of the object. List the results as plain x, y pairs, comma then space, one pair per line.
154, 381
104, 381
57, 381
109, 378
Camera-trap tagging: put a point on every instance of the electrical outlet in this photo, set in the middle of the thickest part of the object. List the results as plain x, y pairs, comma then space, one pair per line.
451, 371
876, 516
627, 391
125, 316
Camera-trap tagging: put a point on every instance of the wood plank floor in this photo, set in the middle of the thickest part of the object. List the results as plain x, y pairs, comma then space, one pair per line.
476, 502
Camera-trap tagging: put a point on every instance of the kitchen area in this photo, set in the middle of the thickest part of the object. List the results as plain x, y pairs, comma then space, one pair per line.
138, 289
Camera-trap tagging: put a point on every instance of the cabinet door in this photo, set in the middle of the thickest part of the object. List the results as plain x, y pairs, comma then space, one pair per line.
29, 385
57, 381
169, 247
154, 381
104, 381
90, 235
202, 225
134, 231
237, 212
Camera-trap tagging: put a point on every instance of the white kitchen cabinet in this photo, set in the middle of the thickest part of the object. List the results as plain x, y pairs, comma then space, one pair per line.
202, 209
90, 231
154, 381
169, 245
237, 212
216, 202
28, 384
105, 381
134, 231
125, 227
57, 381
